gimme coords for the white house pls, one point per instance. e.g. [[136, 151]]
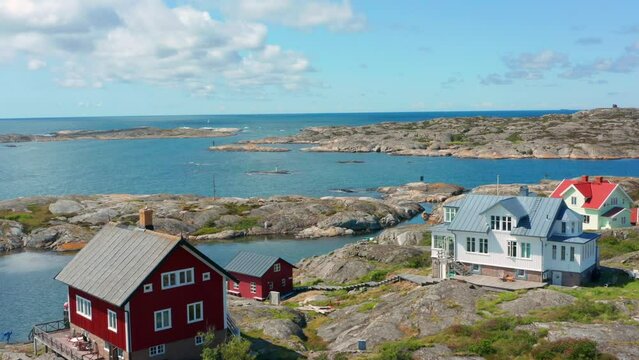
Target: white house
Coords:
[[523, 237]]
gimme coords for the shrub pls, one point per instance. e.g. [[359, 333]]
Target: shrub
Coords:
[[375, 275], [399, 350], [572, 349], [419, 261], [235, 349], [245, 223], [581, 311], [482, 348], [514, 138]]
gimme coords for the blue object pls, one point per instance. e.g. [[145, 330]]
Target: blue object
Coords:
[[7, 335]]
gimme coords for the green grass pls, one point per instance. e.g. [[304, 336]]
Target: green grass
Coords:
[[281, 314], [207, 230], [37, 216], [426, 239], [582, 311], [367, 306], [610, 246], [245, 223], [399, 350], [457, 139], [239, 209], [489, 303], [419, 261], [515, 138], [375, 275], [571, 349]]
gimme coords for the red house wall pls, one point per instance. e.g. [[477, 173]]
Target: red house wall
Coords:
[[98, 325], [263, 290], [143, 305]]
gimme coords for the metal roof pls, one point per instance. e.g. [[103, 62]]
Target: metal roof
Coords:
[[541, 214], [252, 264], [512, 205], [580, 239], [118, 260]]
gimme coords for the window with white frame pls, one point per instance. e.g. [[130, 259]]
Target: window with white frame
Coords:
[[162, 319], [525, 250], [83, 307], [449, 214], [572, 253], [199, 340], [277, 267], [177, 278], [253, 288], [112, 323], [521, 273], [573, 200], [206, 276], [512, 248], [506, 223], [157, 350], [120, 353], [586, 219], [107, 346], [476, 268], [148, 288], [470, 244], [572, 227], [194, 312], [623, 220], [495, 222], [483, 246], [283, 281], [554, 252], [236, 285], [563, 253], [439, 241]]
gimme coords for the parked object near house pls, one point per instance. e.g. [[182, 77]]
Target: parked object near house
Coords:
[[514, 238], [603, 204], [258, 275], [138, 294]]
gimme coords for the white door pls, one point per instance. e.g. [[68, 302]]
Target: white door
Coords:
[[556, 277]]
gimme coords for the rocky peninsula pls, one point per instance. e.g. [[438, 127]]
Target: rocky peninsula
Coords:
[[592, 134], [120, 134], [247, 148]]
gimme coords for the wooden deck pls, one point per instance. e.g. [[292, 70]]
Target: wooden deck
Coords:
[[497, 283], [58, 342], [419, 279]]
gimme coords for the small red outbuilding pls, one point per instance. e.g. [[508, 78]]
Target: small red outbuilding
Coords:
[[258, 275]]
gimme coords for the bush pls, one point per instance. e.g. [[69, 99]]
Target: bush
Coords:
[[482, 348], [235, 349], [419, 261], [375, 275], [572, 349], [584, 311], [399, 350]]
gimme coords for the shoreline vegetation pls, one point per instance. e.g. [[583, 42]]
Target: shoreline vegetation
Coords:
[[120, 134], [603, 134]]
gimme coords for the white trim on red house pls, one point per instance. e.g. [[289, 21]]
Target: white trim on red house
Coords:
[[127, 327]]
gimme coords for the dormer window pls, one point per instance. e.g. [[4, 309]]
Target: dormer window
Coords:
[[449, 214], [504, 223], [573, 200], [563, 227]]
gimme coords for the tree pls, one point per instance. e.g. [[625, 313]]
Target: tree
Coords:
[[235, 349]]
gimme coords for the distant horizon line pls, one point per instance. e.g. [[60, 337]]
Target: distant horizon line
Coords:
[[288, 113]]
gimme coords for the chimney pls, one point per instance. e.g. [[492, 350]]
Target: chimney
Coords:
[[598, 179], [584, 178], [523, 190], [146, 218]]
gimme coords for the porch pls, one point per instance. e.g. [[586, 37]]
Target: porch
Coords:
[[59, 338], [497, 283]]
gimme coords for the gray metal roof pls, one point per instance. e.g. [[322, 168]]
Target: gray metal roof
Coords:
[[541, 214], [252, 264], [581, 239], [512, 205], [440, 229], [455, 203]]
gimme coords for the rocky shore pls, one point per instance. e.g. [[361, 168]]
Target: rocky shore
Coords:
[[120, 134], [247, 148], [592, 134]]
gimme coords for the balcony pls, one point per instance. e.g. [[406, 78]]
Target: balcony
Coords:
[[57, 336]]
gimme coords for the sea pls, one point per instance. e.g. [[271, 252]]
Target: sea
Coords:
[[28, 293]]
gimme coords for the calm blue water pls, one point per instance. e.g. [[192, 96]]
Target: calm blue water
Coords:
[[185, 165]]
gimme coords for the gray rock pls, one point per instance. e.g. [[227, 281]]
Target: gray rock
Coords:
[[404, 235], [53, 237], [354, 220], [439, 351], [535, 300], [281, 328], [65, 207], [172, 226], [227, 220], [99, 217], [11, 233]]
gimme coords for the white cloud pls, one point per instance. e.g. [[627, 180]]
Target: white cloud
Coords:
[[36, 64], [336, 15], [104, 41]]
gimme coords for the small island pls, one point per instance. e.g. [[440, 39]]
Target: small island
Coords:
[[247, 148], [593, 134], [120, 134]]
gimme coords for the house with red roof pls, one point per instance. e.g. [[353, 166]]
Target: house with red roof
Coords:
[[603, 204]]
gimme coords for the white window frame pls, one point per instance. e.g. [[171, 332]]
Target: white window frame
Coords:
[[277, 267], [194, 305], [495, 222], [112, 320], [483, 246], [573, 200], [148, 288], [253, 287], [270, 285], [107, 346], [449, 214], [162, 314], [83, 307], [471, 244], [572, 254], [157, 350], [475, 268], [586, 219], [173, 279], [236, 285], [506, 223], [206, 276], [526, 250], [512, 248], [563, 253], [199, 340], [523, 274], [554, 252]]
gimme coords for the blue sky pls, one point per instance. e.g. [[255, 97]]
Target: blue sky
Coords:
[[117, 57]]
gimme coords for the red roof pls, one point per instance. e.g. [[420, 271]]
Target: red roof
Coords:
[[596, 192]]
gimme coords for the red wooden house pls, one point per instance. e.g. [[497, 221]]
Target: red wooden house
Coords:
[[139, 294], [258, 275]]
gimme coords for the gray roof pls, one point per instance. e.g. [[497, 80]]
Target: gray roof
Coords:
[[541, 213], [440, 228], [512, 205], [118, 260], [455, 203], [252, 264], [580, 239]]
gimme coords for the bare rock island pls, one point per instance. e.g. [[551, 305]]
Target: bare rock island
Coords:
[[592, 134], [120, 134], [247, 148]]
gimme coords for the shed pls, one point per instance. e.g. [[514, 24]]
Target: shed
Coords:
[[259, 274]]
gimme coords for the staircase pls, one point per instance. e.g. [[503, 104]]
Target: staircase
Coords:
[[231, 326], [459, 268]]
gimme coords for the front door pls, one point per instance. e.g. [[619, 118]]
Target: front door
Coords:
[[556, 277], [451, 247]]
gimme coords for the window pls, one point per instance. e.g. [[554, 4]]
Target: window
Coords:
[[439, 241], [572, 253], [483, 246], [194, 312], [572, 227], [83, 307], [236, 285], [148, 288], [162, 319], [112, 320], [177, 278], [586, 219], [495, 222], [512, 248], [470, 244], [270, 285], [199, 340], [449, 214], [283, 282], [554, 252], [157, 350], [476, 269], [506, 223], [563, 253], [107, 346], [623, 220], [253, 288], [573, 200], [521, 274], [614, 201], [206, 276], [563, 227], [277, 267], [525, 250]]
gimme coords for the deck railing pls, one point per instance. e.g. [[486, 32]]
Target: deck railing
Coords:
[[231, 326], [41, 332]]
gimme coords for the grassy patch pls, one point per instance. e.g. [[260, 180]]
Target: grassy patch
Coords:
[[207, 230], [426, 239], [366, 307], [239, 209], [375, 275], [583, 311], [611, 246], [514, 138], [489, 303], [568, 349], [37, 216], [457, 139], [313, 341], [281, 314], [419, 261], [399, 350], [246, 223]]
